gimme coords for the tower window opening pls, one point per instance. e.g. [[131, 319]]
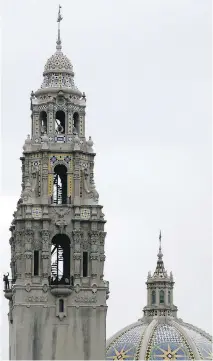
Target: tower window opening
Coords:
[[61, 305], [60, 260], [153, 297], [169, 297], [76, 123], [43, 122], [60, 185], [85, 264], [161, 296], [60, 122], [36, 263]]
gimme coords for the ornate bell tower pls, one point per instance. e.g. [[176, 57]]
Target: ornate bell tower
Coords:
[[57, 295]]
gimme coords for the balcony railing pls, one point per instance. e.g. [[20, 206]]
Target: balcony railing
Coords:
[[61, 281]]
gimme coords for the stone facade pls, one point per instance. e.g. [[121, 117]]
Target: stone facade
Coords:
[[57, 299]]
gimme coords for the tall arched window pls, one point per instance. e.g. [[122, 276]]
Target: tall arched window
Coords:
[[161, 296], [60, 122], [169, 297], [60, 184], [61, 305], [76, 123], [43, 122], [153, 297], [60, 260]]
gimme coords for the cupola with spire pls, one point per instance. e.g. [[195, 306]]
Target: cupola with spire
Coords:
[[160, 290]]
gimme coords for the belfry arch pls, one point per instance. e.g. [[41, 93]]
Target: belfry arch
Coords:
[[60, 122], [60, 184], [43, 122], [76, 123], [60, 259]]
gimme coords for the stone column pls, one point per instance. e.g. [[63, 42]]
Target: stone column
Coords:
[[36, 125], [28, 238], [69, 120], [18, 253], [50, 121], [77, 236], [45, 254], [94, 264], [44, 189], [76, 179]]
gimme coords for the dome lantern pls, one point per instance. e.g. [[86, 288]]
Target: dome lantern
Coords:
[[160, 291]]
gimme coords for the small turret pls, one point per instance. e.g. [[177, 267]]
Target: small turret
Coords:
[[160, 290]]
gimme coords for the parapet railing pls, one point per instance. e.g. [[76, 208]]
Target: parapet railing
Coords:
[[61, 281]]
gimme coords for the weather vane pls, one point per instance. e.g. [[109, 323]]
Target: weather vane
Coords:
[[160, 241], [59, 14], [58, 42]]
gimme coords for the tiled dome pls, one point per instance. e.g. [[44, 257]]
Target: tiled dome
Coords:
[[58, 62], [58, 73], [161, 339]]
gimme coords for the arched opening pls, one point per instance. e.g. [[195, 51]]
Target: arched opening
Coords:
[[76, 123], [61, 305], [60, 260], [161, 296], [60, 184], [169, 297], [153, 297], [43, 122], [85, 264], [60, 122]]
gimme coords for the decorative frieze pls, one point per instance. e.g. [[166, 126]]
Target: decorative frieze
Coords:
[[35, 299], [86, 299]]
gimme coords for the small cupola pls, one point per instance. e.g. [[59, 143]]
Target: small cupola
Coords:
[[160, 290]]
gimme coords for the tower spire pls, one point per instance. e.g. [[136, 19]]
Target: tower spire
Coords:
[[160, 254], [58, 42]]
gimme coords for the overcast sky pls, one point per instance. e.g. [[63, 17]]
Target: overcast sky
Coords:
[[145, 67]]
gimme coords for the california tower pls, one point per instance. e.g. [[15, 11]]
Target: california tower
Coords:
[[57, 294]]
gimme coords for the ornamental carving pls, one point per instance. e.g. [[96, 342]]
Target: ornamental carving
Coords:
[[77, 256], [45, 288], [36, 299], [61, 225], [28, 287], [94, 256], [45, 235], [86, 299], [28, 255], [45, 256], [77, 235], [102, 257], [85, 245], [37, 244]]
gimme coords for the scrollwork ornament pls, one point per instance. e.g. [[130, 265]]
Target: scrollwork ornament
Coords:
[[45, 288], [77, 235], [28, 287], [94, 256], [45, 256], [28, 255], [102, 257], [45, 234], [77, 256]]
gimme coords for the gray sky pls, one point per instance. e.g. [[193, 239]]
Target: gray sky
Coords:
[[145, 67]]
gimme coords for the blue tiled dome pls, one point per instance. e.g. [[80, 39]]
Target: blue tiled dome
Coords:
[[161, 339]]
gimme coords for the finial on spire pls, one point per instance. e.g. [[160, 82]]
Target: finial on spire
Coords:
[[160, 255], [160, 241], [58, 42]]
